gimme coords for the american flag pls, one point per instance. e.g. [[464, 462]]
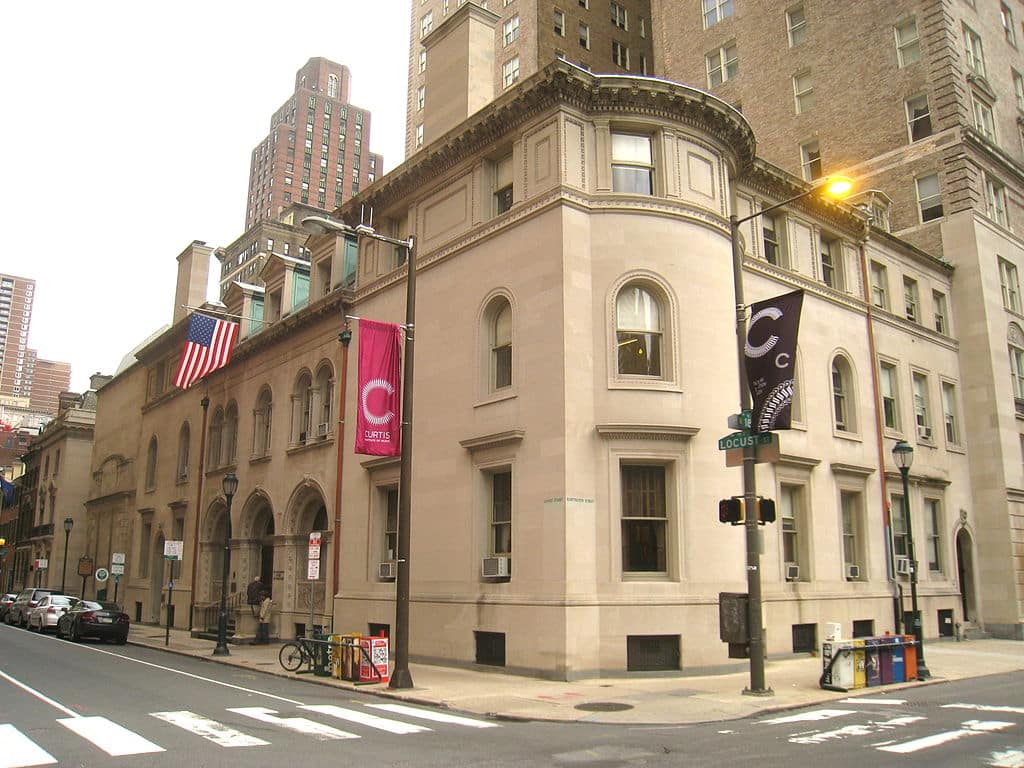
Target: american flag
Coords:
[[207, 348]]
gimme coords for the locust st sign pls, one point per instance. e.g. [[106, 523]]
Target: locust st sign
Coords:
[[744, 440]]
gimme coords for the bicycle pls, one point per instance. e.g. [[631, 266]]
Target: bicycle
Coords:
[[295, 653]]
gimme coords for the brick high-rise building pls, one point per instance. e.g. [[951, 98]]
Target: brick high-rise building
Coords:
[[317, 150], [49, 379], [601, 36]]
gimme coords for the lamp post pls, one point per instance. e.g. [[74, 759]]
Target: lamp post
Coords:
[[401, 677], [903, 456], [69, 523], [229, 485], [837, 187]]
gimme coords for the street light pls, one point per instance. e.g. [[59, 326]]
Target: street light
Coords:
[[69, 523], [229, 485], [837, 187], [401, 677], [903, 456]]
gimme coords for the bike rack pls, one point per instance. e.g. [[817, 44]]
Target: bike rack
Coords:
[[306, 642]]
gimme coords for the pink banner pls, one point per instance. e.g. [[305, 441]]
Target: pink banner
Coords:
[[378, 414]]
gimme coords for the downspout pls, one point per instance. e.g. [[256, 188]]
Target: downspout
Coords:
[[345, 337], [879, 427], [205, 402]]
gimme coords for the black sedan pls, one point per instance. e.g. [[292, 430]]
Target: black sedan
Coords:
[[88, 618]]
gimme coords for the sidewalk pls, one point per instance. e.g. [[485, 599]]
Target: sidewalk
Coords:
[[627, 700]]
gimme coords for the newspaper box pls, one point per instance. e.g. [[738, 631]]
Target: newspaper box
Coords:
[[860, 678], [898, 658], [376, 648], [910, 657], [837, 675], [872, 663]]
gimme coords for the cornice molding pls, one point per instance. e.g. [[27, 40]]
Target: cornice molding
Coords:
[[673, 432], [495, 440]]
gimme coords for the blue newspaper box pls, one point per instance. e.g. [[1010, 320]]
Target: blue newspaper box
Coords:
[[899, 667], [872, 664]]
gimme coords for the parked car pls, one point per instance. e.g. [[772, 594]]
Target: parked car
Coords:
[[44, 616], [91, 618], [5, 603], [26, 600]]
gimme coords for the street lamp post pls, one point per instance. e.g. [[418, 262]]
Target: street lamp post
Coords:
[[69, 523], [903, 456], [837, 187], [401, 677], [229, 485]]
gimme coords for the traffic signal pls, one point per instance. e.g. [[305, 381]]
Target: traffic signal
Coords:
[[731, 511], [2, 541], [765, 511]]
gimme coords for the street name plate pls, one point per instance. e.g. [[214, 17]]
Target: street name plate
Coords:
[[743, 440]]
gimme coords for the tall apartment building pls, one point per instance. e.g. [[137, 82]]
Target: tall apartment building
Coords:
[[317, 151], [600, 36], [49, 379], [16, 295], [922, 101]]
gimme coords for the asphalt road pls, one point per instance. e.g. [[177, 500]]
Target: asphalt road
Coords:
[[105, 705]]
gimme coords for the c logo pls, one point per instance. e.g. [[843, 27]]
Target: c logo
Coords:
[[760, 351], [364, 397]]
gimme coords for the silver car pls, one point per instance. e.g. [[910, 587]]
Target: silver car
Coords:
[[44, 616]]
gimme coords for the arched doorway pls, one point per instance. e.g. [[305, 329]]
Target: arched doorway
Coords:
[[307, 599], [263, 535], [965, 575]]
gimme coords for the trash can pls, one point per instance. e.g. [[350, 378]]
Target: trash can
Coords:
[[322, 656], [872, 671], [898, 658], [859, 677], [910, 657]]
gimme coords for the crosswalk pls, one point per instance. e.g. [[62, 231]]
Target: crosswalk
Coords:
[[876, 724], [21, 751]]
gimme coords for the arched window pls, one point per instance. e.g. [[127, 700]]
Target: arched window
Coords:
[[332, 86], [499, 333], [229, 441], [184, 437], [213, 458], [324, 396], [151, 464], [262, 418], [639, 331], [302, 408], [844, 410]]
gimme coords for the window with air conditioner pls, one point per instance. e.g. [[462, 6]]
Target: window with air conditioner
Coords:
[[851, 504], [922, 407], [498, 561]]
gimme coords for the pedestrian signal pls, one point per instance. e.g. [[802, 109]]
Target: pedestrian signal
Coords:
[[730, 511], [765, 511]]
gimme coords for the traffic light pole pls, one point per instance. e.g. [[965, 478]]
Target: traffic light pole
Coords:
[[754, 619]]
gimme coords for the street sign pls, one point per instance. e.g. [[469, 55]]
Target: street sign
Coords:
[[313, 570], [743, 440], [314, 552], [85, 566], [102, 574], [42, 564], [117, 568], [173, 550], [117, 559], [763, 454], [741, 420], [314, 538]]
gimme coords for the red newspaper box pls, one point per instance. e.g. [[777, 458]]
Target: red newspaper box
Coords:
[[376, 648]]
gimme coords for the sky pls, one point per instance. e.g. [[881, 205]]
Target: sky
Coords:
[[126, 135]]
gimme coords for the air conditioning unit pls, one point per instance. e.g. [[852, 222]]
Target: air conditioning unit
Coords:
[[925, 433], [903, 565], [321, 430], [388, 570], [852, 572], [496, 567], [792, 571]]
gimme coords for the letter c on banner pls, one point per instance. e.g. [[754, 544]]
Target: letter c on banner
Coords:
[[371, 386], [760, 351], [782, 360]]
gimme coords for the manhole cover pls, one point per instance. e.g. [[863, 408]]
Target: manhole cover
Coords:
[[603, 706]]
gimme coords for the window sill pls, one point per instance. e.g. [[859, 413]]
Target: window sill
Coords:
[[259, 459], [638, 383], [496, 397], [631, 576], [845, 435], [310, 444], [231, 467]]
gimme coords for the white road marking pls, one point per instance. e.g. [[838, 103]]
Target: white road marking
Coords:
[[300, 724], [971, 728], [1011, 758], [869, 700], [817, 714], [438, 717], [210, 730], [986, 708], [112, 738], [38, 695], [19, 751], [855, 730], [363, 718]]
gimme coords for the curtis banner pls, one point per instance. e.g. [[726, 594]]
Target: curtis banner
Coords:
[[378, 416], [770, 356]]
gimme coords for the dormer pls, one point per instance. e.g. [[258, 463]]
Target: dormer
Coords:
[[287, 286], [246, 301]]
